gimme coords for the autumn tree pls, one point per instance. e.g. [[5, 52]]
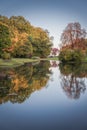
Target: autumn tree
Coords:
[[54, 51], [34, 40], [20, 23], [73, 34], [41, 42], [4, 19], [73, 44], [26, 40]]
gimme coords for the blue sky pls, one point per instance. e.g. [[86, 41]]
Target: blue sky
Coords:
[[53, 15]]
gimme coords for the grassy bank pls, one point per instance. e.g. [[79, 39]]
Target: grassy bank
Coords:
[[15, 62], [53, 58], [20, 61]]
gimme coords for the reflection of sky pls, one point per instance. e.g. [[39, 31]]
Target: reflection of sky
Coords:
[[46, 109], [53, 15]]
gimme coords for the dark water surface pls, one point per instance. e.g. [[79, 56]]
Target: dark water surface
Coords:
[[43, 96]]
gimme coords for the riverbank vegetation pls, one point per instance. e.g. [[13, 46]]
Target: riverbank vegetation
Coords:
[[21, 42], [16, 62], [20, 39], [73, 44]]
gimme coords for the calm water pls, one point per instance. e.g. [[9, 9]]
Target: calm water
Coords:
[[43, 96]]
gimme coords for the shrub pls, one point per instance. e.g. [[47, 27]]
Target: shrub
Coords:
[[71, 56], [6, 56]]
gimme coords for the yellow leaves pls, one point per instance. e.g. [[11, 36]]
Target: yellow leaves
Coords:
[[22, 83], [3, 24], [20, 30], [38, 33], [18, 39], [38, 84], [17, 36], [19, 82]]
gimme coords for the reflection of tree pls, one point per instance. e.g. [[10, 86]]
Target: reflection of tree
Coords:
[[17, 84], [54, 64], [73, 79]]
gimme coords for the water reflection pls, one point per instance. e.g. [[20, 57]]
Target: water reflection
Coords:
[[17, 84], [54, 64], [73, 79]]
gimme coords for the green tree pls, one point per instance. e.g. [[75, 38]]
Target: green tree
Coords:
[[70, 56], [24, 50], [5, 41], [41, 42]]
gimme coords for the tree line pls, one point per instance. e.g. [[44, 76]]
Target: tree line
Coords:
[[18, 38]]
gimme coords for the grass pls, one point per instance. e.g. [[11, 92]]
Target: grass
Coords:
[[53, 58], [15, 62], [20, 61]]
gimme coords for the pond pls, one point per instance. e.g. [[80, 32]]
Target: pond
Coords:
[[43, 96]]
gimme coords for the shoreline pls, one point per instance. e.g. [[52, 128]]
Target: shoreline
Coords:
[[14, 62]]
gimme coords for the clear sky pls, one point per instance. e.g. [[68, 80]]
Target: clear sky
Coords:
[[53, 15]]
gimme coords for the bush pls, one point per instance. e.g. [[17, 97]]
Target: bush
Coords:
[[71, 56], [6, 56]]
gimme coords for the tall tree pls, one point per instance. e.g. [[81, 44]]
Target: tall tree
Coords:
[[41, 42], [5, 41], [73, 34]]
